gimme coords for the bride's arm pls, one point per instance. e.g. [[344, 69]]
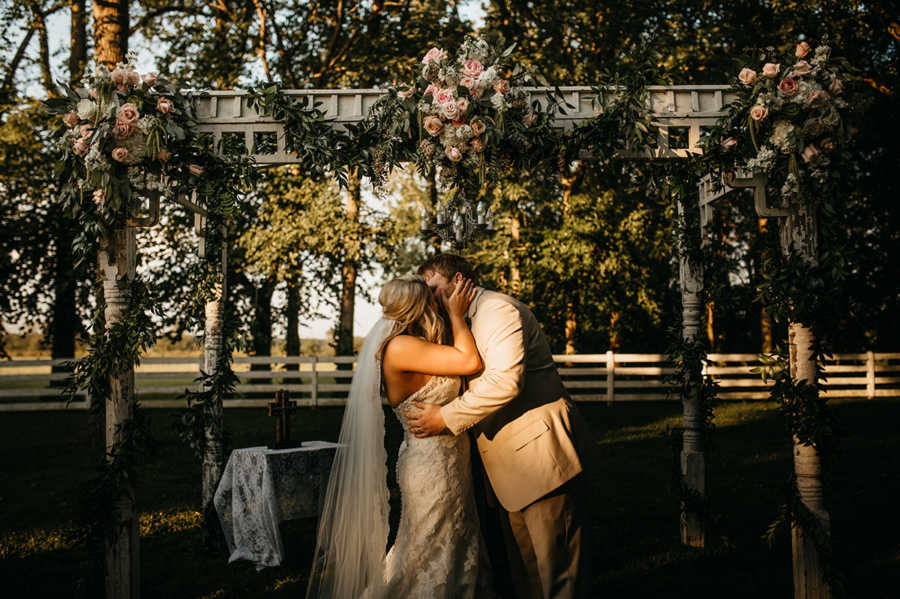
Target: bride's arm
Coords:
[[411, 354]]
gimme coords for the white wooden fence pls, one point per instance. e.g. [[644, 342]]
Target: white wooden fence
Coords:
[[30, 385]]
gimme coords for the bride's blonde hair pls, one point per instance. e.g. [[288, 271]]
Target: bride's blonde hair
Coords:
[[408, 302]]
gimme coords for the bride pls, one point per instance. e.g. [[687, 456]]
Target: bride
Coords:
[[438, 550]]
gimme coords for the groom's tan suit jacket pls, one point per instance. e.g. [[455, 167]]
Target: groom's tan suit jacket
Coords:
[[530, 436]]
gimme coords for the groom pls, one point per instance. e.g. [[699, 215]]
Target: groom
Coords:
[[532, 440]]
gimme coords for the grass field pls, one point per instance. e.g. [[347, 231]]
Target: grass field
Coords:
[[45, 459]]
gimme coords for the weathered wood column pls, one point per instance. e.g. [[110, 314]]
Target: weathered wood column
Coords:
[[116, 261], [213, 417], [799, 233], [693, 460]]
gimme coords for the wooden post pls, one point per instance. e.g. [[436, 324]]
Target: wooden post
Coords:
[[870, 374], [610, 377], [315, 382], [799, 234], [214, 426], [693, 460], [116, 262]]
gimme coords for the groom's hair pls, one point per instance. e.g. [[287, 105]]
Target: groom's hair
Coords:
[[448, 265]]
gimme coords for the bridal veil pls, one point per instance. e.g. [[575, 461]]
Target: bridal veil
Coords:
[[353, 528]]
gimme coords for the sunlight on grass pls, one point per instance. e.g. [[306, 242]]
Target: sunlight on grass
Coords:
[[287, 582], [22, 544]]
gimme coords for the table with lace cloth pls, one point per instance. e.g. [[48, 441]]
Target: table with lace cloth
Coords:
[[260, 487]]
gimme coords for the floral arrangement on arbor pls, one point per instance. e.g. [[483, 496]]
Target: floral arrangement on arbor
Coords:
[[126, 134], [466, 118], [792, 121]]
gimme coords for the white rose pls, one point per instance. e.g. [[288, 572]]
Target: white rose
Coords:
[[86, 109]]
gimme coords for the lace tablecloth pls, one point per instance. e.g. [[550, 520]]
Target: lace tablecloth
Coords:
[[261, 487]]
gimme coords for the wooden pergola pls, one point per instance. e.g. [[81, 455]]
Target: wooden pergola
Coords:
[[680, 113]]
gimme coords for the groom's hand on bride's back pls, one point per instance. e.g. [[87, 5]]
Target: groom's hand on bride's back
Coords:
[[426, 420]]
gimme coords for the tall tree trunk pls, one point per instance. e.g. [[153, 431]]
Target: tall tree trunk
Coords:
[[261, 329], [110, 31], [292, 337], [515, 276], [614, 339], [116, 260], [78, 39], [767, 343], [571, 325], [343, 343], [65, 314]]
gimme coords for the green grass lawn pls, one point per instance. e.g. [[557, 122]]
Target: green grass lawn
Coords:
[[46, 458]]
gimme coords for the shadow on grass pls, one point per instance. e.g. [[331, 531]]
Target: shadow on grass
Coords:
[[636, 532]]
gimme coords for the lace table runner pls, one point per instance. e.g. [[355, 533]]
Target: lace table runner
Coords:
[[261, 487]]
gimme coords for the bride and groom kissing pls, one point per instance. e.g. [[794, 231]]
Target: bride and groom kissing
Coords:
[[482, 371]]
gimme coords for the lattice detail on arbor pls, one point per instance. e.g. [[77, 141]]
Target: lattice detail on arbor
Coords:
[[680, 112]]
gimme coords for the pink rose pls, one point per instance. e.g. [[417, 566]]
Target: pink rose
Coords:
[[770, 70], [453, 154], [476, 144], [450, 111], [164, 155], [128, 113], [530, 119], [801, 68], [802, 49], [406, 93], [827, 144], [120, 154], [92, 93], [433, 124], [747, 76], [85, 131], [195, 169], [476, 91], [729, 143], [758, 112], [80, 147], [501, 86], [473, 68], [133, 77], [810, 153], [150, 79], [119, 77], [462, 104], [123, 130], [434, 55], [818, 98], [443, 96], [98, 196], [70, 119], [469, 83], [164, 106], [477, 126], [432, 89], [836, 86], [788, 87]]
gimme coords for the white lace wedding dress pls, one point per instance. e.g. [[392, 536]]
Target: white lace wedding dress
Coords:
[[438, 551]]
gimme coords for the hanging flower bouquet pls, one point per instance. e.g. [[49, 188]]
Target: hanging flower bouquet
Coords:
[[466, 116], [791, 122], [122, 133]]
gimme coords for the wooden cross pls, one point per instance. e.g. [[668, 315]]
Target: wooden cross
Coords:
[[281, 409]]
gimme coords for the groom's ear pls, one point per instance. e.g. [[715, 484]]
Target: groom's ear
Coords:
[[458, 277]]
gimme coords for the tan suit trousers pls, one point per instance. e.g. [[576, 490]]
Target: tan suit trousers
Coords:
[[547, 544]]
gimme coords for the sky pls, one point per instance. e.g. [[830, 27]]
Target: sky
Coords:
[[366, 312]]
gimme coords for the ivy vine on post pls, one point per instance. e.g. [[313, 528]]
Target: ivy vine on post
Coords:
[[793, 123], [126, 145]]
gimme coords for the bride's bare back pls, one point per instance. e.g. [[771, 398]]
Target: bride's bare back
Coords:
[[409, 362]]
